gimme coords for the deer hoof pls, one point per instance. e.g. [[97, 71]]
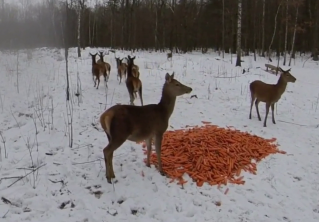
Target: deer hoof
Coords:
[[162, 173], [109, 180]]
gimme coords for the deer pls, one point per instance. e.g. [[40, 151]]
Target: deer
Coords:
[[97, 70], [272, 68], [135, 70], [138, 123], [121, 69], [133, 84], [269, 93], [169, 55], [107, 65]]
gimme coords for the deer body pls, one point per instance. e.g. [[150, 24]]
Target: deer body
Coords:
[[138, 123], [121, 69], [97, 71], [133, 84], [135, 71], [269, 93], [107, 66]]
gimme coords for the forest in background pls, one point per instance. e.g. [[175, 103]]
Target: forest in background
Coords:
[[248, 26]]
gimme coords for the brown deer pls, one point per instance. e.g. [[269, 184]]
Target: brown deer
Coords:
[[133, 84], [97, 70], [269, 93], [107, 65], [138, 123], [135, 70], [121, 69], [170, 56]]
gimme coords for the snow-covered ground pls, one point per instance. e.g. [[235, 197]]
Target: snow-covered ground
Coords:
[[285, 188]]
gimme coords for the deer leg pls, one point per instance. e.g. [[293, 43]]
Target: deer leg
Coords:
[[94, 80], [131, 99], [111, 165], [140, 95], [108, 156], [256, 104], [98, 82], [149, 150], [158, 146], [273, 113], [251, 104], [267, 111]]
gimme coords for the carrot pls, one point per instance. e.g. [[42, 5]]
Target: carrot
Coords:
[[211, 154]]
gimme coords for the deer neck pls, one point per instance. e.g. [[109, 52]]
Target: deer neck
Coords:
[[281, 85], [167, 103]]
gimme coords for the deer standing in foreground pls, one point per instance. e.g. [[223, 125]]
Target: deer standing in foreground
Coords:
[[138, 123], [269, 93], [133, 84], [121, 69], [107, 65], [97, 70]]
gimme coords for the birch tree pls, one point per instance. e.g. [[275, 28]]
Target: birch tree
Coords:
[[238, 61], [294, 35], [286, 32], [80, 7], [263, 30]]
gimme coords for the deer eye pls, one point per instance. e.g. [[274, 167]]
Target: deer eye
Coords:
[[176, 84]]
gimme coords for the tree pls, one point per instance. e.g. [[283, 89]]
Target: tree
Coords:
[[238, 61]]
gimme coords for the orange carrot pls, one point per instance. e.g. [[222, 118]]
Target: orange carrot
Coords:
[[211, 154]]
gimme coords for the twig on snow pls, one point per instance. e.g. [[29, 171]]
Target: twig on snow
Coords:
[[26, 175]]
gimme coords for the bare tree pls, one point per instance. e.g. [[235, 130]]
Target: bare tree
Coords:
[[294, 35], [274, 33], [286, 32], [263, 30], [238, 61], [315, 33]]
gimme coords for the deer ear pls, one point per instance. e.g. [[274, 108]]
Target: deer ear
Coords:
[[172, 76], [288, 70], [90, 54], [281, 70], [168, 78], [133, 57]]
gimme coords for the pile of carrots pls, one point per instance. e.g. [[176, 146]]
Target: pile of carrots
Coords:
[[212, 154]]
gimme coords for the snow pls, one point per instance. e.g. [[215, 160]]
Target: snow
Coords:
[[284, 189]]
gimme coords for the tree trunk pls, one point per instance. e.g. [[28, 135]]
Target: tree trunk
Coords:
[[79, 31], [255, 30], [294, 36], [315, 33], [238, 61], [223, 30], [274, 33], [286, 34], [263, 30]]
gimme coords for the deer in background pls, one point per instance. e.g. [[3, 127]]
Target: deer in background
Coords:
[[269, 93], [170, 56], [138, 123], [107, 65], [121, 69], [97, 70], [133, 84]]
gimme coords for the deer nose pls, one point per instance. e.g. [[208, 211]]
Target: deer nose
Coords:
[[189, 90]]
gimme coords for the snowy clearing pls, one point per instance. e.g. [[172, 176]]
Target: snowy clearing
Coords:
[[34, 132]]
